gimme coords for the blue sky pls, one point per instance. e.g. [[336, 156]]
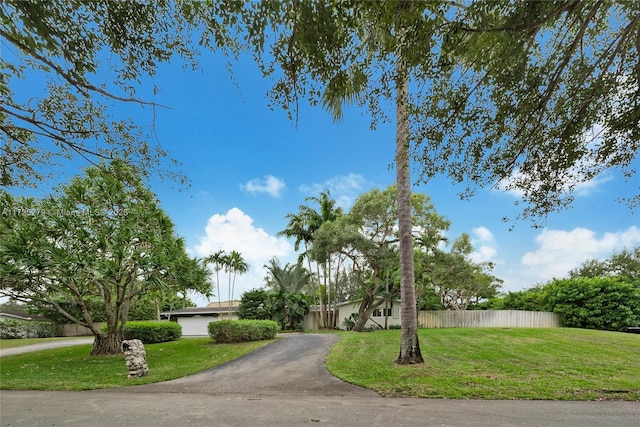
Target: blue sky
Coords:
[[250, 166]]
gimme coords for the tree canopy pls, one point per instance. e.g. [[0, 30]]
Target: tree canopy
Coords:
[[102, 239], [92, 57], [534, 97]]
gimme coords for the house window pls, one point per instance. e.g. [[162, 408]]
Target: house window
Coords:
[[376, 313]]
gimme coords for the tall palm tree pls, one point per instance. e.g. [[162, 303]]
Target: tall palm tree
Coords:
[[333, 98], [218, 259], [235, 265], [409, 344], [303, 225]]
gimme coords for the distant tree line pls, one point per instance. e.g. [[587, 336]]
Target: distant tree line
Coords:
[[600, 294]]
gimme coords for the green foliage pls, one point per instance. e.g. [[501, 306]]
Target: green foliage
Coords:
[[71, 113], [151, 332], [288, 309], [292, 278], [235, 331], [350, 322], [254, 305], [93, 304], [533, 299], [14, 329], [623, 264], [457, 281], [605, 303], [100, 240], [501, 91]]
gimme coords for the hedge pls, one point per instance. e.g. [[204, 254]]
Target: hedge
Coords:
[[232, 331], [151, 332], [16, 329]]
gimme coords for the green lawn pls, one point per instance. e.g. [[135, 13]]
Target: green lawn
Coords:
[[558, 364], [71, 368]]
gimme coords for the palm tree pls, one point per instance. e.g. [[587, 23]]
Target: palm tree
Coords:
[[333, 98], [292, 278], [409, 344], [218, 259], [303, 225], [235, 264]]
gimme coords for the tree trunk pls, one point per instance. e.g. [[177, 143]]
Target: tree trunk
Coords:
[[409, 345], [109, 345]]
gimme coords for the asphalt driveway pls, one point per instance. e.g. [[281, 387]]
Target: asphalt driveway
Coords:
[[286, 384], [291, 366]]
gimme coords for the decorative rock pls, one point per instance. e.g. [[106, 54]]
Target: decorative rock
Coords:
[[136, 358]]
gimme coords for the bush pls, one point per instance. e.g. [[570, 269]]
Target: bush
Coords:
[[232, 331], [16, 329], [254, 305], [151, 332], [605, 303]]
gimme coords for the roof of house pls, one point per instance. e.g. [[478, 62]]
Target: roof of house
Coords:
[[212, 308], [20, 316], [234, 304]]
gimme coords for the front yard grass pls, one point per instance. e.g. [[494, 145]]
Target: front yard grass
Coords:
[[71, 368], [555, 364]]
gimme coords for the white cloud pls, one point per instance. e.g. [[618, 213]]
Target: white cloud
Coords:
[[268, 184], [343, 188], [485, 245], [560, 251], [235, 231]]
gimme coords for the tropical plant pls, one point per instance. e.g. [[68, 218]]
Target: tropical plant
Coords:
[[219, 260], [288, 309], [303, 227], [254, 305], [293, 278], [101, 238], [234, 265]]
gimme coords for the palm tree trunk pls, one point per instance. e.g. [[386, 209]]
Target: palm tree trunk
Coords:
[[218, 286], [409, 345], [313, 286]]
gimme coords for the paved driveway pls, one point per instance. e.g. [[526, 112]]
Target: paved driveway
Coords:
[[292, 366], [286, 384]]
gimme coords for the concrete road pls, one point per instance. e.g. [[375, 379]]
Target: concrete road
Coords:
[[286, 384]]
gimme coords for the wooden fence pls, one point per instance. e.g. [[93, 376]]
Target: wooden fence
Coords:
[[486, 319], [75, 330]]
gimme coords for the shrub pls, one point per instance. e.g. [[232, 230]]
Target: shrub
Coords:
[[254, 305], [349, 322], [15, 329], [605, 303], [151, 332], [232, 331]]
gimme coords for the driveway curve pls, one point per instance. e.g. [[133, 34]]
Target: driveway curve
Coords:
[[293, 365]]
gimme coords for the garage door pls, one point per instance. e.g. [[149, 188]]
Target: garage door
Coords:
[[195, 326]]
